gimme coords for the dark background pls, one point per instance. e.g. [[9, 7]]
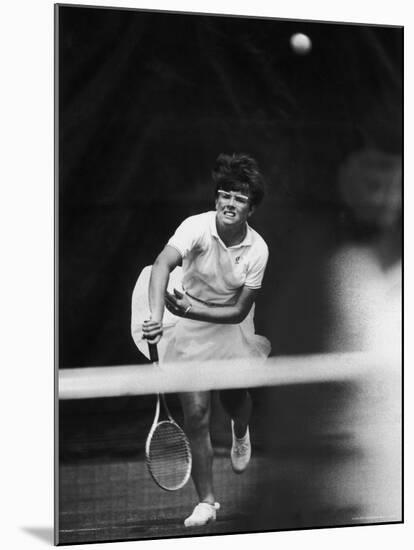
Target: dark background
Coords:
[[146, 102]]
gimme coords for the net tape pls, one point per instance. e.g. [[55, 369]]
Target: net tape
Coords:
[[123, 380]]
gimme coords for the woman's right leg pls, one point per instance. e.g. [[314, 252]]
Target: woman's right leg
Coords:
[[197, 408]]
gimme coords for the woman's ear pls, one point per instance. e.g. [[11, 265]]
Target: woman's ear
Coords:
[[251, 210]]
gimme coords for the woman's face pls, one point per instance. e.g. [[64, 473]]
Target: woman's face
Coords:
[[233, 208]]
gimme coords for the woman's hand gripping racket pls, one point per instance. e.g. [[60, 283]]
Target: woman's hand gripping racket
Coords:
[[167, 449]]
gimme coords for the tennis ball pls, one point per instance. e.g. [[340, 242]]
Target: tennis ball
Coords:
[[300, 43]]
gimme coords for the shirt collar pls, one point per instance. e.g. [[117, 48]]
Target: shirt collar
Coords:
[[247, 241]]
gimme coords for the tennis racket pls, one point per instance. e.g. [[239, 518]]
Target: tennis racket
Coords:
[[167, 449]]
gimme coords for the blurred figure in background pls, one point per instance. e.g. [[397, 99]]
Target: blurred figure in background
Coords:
[[364, 276], [336, 446]]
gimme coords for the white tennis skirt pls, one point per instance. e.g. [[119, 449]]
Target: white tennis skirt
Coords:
[[200, 341]]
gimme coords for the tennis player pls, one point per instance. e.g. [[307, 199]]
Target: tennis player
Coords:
[[223, 261]]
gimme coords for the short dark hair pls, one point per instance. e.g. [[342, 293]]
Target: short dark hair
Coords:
[[239, 172]]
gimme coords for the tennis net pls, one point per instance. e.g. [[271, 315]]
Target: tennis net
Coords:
[[326, 446], [112, 381]]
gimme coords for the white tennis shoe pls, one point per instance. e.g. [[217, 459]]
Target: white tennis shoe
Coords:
[[202, 514], [241, 451]]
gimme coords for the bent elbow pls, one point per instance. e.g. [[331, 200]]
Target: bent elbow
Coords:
[[239, 317], [242, 312]]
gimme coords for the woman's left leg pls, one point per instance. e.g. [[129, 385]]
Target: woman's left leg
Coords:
[[238, 405]]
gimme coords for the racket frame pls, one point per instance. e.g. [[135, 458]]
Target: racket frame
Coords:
[[162, 401]]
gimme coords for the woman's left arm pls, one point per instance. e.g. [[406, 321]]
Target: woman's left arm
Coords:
[[181, 305]]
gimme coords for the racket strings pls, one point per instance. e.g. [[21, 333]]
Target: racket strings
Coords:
[[169, 456]]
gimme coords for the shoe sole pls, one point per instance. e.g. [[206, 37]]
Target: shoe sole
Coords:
[[201, 524], [236, 471]]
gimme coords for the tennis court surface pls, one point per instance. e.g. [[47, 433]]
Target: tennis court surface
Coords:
[[326, 437]]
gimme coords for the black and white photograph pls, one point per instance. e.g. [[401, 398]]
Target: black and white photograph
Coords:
[[205, 274], [329, 423], [228, 260]]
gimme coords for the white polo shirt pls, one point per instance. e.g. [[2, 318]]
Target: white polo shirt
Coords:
[[213, 272]]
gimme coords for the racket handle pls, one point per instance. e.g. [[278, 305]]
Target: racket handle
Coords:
[[153, 351]]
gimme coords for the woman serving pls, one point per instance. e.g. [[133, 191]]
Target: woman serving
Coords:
[[223, 262]]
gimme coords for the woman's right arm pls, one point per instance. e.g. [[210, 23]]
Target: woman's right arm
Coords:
[[166, 262]]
